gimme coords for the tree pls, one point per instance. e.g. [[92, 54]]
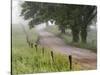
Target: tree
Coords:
[[88, 13], [76, 17], [31, 10]]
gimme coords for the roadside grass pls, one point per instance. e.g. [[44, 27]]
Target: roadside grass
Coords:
[[91, 38], [26, 60]]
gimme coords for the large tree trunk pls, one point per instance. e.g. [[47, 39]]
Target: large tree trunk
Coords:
[[75, 31], [84, 29], [84, 35], [75, 34]]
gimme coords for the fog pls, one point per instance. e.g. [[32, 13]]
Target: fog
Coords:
[[17, 19], [16, 10]]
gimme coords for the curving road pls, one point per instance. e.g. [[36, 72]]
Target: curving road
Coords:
[[85, 57]]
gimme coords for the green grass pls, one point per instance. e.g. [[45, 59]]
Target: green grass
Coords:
[[91, 38], [26, 60]]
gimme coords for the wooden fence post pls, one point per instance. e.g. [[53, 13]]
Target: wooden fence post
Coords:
[[31, 45], [36, 47], [52, 55], [43, 50], [70, 62]]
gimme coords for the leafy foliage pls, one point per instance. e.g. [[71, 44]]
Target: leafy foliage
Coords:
[[75, 17]]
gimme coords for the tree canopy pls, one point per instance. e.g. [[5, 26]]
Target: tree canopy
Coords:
[[75, 17]]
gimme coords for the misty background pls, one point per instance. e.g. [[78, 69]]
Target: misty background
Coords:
[[16, 10], [17, 19]]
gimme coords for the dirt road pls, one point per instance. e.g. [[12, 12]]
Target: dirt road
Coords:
[[85, 57]]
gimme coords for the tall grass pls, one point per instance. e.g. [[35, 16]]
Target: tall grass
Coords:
[[28, 60]]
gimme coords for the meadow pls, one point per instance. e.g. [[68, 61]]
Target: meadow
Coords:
[[26, 60]]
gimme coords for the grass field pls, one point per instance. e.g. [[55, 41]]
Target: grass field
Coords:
[[28, 60], [91, 38]]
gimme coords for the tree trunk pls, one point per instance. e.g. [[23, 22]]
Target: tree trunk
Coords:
[[84, 35], [62, 29], [84, 30], [75, 34], [75, 31]]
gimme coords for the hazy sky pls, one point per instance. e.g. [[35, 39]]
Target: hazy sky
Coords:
[[16, 10]]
